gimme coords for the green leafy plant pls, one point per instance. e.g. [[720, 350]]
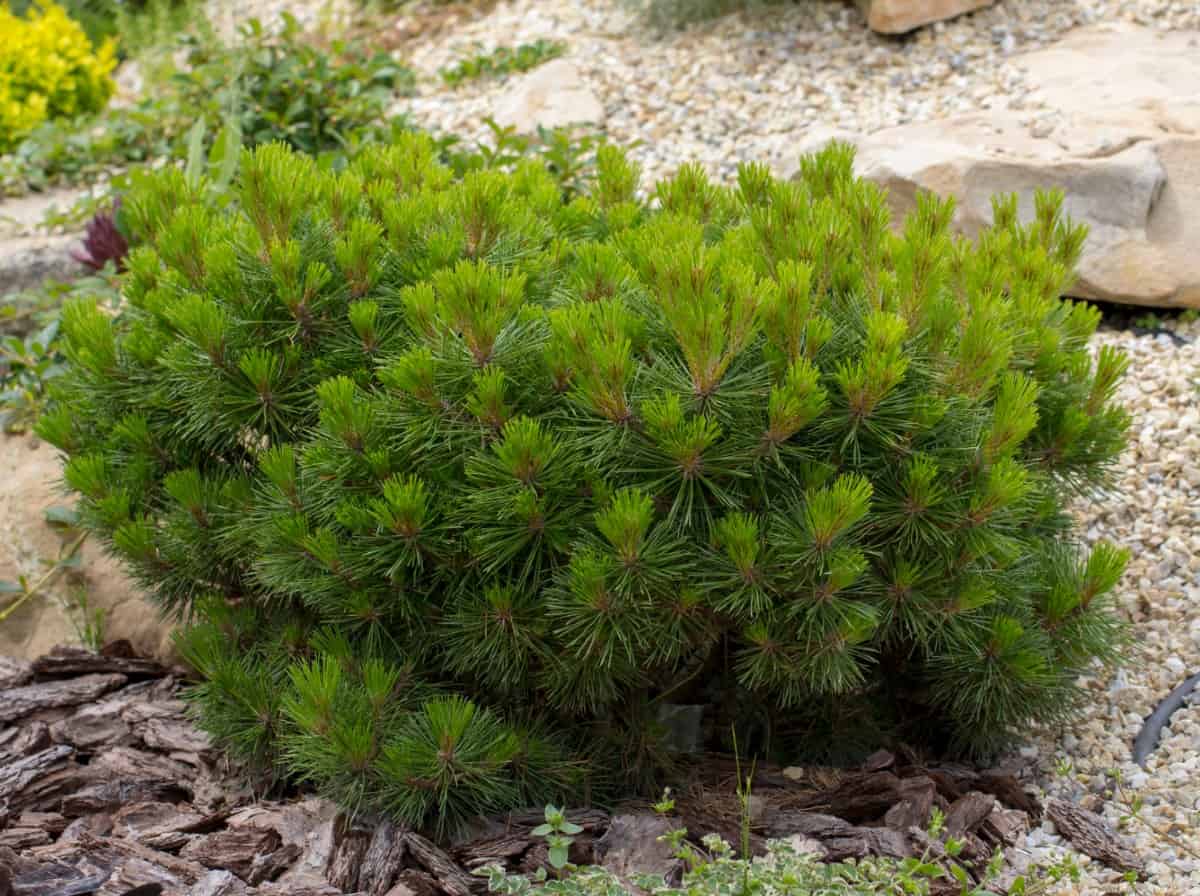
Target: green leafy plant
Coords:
[[266, 86], [27, 365], [282, 87], [30, 356], [568, 153], [460, 479], [559, 834], [715, 871], [135, 25], [88, 621], [503, 61]]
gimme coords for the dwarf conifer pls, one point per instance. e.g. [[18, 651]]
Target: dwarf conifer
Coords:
[[459, 483]]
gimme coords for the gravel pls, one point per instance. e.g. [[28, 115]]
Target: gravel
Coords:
[[751, 86], [1155, 512]]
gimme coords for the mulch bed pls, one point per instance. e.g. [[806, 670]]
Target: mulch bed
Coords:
[[107, 788]]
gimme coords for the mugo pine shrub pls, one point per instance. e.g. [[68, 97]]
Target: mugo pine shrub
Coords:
[[460, 483]]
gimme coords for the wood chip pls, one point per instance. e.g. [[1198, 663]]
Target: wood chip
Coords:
[[450, 878], [346, 865], [1093, 836], [414, 883], [129, 764], [916, 807], [859, 797], [110, 796], [1008, 790], [174, 736], [160, 825], [234, 849], [19, 741], [1005, 826], [968, 812], [140, 876], [118, 849], [879, 760], [18, 702], [19, 775], [97, 725], [57, 877], [19, 837], [53, 822], [70, 662], [267, 867], [840, 839], [14, 672], [384, 859], [478, 853], [218, 882]]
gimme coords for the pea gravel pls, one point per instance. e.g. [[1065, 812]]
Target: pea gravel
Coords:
[[750, 86]]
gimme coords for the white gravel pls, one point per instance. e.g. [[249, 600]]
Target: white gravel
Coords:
[[750, 86], [1156, 513]]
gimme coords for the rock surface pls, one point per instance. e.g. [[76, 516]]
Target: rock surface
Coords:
[[28, 261], [553, 95], [28, 256], [29, 485], [1120, 135], [899, 16]]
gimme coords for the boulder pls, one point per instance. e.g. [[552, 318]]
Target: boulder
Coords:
[[553, 95], [29, 485], [1118, 131], [899, 16]]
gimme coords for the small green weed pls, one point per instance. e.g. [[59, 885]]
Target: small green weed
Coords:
[[675, 14], [89, 622], [23, 590], [502, 61], [559, 834]]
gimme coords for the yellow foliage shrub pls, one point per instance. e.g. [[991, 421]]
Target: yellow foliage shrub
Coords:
[[48, 69]]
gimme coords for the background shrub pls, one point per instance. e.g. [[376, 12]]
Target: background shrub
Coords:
[[264, 87], [48, 69], [464, 484]]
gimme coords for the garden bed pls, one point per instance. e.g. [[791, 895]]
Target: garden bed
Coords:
[[720, 93]]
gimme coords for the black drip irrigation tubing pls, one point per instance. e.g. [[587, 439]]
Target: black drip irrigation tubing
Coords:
[[1147, 739]]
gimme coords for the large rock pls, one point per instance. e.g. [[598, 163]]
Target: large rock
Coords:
[[898, 16], [1120, 135], [29, 485], [553, 95]]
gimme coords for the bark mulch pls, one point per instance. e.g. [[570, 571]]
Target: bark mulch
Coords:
[[107, 788]]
